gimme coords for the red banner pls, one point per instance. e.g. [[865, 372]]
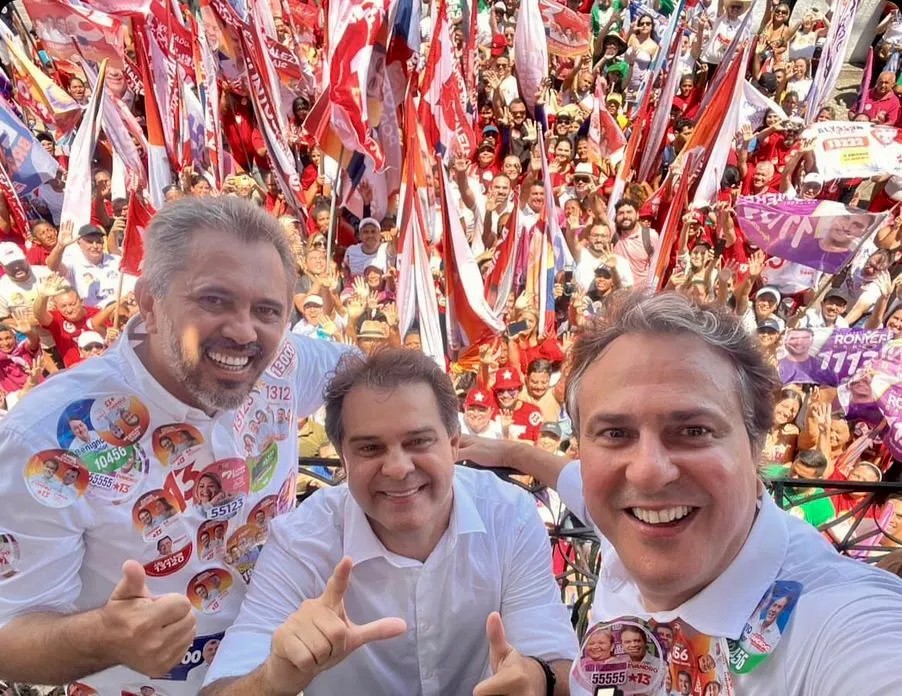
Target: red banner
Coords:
[[568, 31]]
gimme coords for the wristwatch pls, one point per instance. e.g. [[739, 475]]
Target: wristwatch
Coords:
[[550, 678]]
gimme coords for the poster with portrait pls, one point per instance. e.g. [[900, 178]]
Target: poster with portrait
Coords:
[[828, 356], [818, 234], [855, 149]]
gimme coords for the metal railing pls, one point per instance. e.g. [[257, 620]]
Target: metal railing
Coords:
[[857, 532]]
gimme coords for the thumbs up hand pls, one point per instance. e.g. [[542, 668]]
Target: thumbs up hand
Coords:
[[320, 635], [147, 633], [512, 673]]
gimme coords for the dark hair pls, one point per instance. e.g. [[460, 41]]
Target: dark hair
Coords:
[[539, 365], [385, 370], [682, 123], [45, 137], [170, 187], [627, 201], [812, 458], [731, 177], [674, 314]]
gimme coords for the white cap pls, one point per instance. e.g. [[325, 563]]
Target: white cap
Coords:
[[769, 290], [10, 253], [584, 168], [87, 338], [813, 178], [369, 221], [313, 299]]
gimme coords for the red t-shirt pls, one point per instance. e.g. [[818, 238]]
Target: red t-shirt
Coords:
[[527, 420], [37, 255], [65, 334], [549, 349]]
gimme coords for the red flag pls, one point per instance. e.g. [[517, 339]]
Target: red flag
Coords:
[[625, 173], [159, 175], [669, 233], [17, 217], [499, 281], [138, 219]]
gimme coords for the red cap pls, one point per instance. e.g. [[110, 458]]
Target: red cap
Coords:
[[499, 45], [508, 378], [478, 396]]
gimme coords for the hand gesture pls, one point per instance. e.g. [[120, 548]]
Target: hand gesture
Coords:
[[111, 335], [118, 225], [66, 235], [557, 291], [52, 285], [747, 134], [319, 635], [884, 282], [23, 319], [360, 288], [460, 166], [507, 419], [329, 281], [391, 313], [146, 633], [756, 264], [512, 673], [34, 374], [532, 132], [729, 270], [366, 192], [354, 306]]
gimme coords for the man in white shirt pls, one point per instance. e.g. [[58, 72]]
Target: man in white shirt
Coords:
[[208, 351], [451, 588], [90, 270], [371, 251], [597, 251], [19, 284], [672, 403]]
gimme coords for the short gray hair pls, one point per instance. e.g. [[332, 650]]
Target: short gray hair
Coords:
[[386, 369], [175, 226], [671, 313]]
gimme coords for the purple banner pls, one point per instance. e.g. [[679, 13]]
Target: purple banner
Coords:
[[817, 234], [886, 385], [822, 356]]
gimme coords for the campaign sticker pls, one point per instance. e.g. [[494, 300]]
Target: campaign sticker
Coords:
[[142, 690], [79, 689], [177, 445], [171, 556], [208, 589], [75, 430], [9, 556], [200, 652], [120, 419], [220, 490], [285, 361], [155, 515], [698, 662], [243, 549], [211, 536], [764, 629], [263, 512], [287, 494], [623, 655], [56, 478], [116, 473], [263, 467]]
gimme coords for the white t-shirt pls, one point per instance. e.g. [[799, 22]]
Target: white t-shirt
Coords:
[[96, 283], [828, 647], [584, 275], [494, 556], [722, 35], [134, 497], [356, 259], [13, 294]]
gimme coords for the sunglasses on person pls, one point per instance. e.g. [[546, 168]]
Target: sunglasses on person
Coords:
[[781, 12], [582, 179], [91, 347], [644, 24], [508, 391]]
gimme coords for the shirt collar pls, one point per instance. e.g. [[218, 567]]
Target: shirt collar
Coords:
[[361, 543], [136, 374], [722, 608]]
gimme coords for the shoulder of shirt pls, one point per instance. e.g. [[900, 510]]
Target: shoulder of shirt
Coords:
[[310, 348], [40, 409], [324, 509], [493, 496]]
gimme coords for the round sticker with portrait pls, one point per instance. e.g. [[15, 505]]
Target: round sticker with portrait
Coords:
[[169, 555], [211, 540], [624, 655], [56, 478], [263, 512], [221, 489], [243, 549], [208, 589], [79, 689], [177, 445], [287, 494], [120, 419], [156, 514], [116, 473], [75, 430], [142, 689], [9, 555]]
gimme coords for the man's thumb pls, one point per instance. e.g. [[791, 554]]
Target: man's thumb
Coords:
[[132, 585], [499, 648]]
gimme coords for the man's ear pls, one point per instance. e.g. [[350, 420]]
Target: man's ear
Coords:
[[146, 305], [455, 446]]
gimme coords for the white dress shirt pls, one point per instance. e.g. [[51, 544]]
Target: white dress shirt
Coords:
[[495, 556], [842, 638], [73, 539]]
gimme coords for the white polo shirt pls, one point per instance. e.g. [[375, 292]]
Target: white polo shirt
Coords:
[[495, 556], [100, 464], [842, 638]]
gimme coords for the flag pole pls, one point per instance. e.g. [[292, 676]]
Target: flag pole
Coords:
[[121, 272], [332, 221]]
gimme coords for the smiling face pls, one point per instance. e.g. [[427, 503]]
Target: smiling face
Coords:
[[786, 410], [478, 418], [798, 343], [634, 643], [600, 646], [662, 438], [843, 232], [537, 384], [91, 246], [399, 460], [207, 488], [221, 322]]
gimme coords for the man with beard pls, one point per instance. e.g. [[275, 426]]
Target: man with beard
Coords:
[[635, 242], [830, 313], [596, 252], [208, 350]]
